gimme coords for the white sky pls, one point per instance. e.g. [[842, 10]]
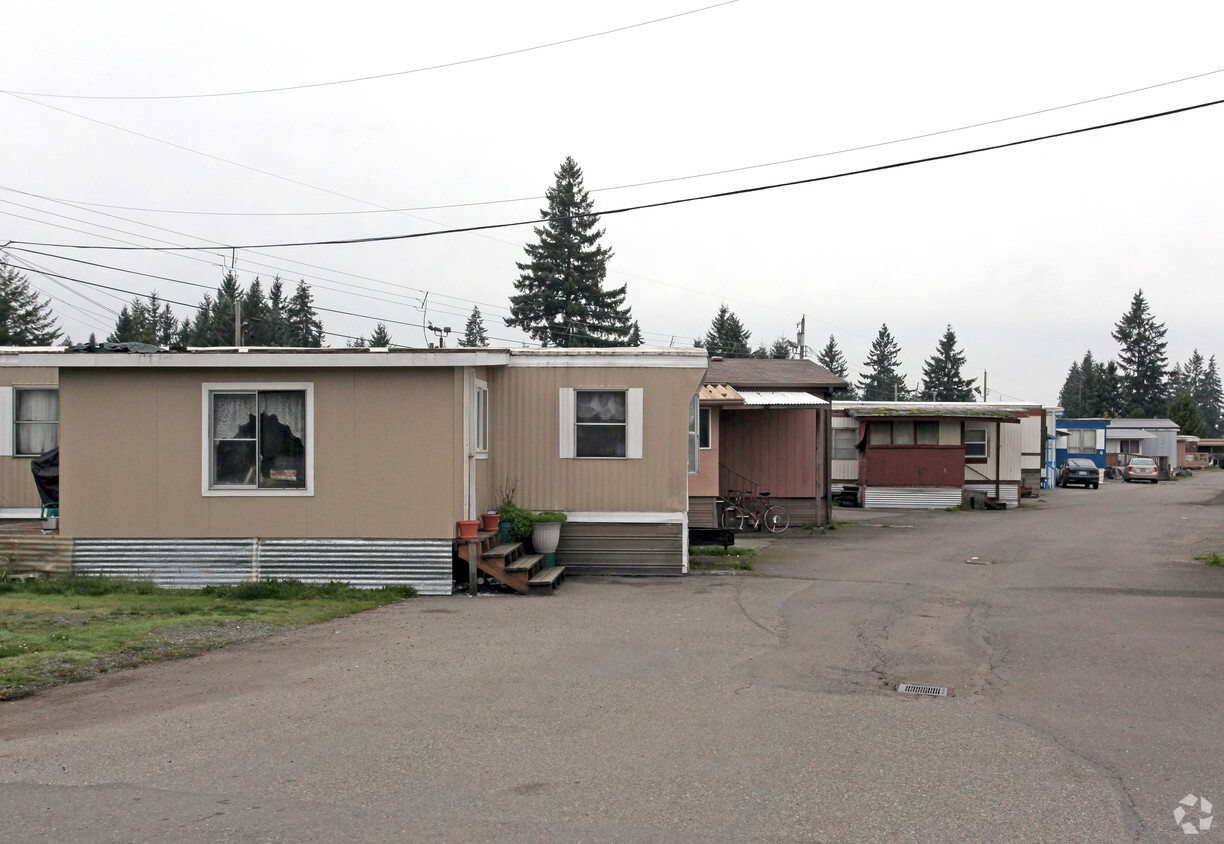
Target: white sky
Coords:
[[1030, 253]]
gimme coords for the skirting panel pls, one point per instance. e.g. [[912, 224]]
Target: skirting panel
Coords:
[[424, 564], [911, 498], [1009, 492], [622, 548]]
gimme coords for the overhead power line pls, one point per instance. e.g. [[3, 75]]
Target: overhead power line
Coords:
[[17, 244], [648, 183], [373, 77]]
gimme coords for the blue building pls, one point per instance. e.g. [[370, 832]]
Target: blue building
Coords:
[[1080, 438]]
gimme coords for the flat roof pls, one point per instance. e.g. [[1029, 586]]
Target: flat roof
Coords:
[[772, 374]]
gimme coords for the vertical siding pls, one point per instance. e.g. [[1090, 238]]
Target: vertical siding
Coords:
[[1011, 439], [771, 451], [525, 440]]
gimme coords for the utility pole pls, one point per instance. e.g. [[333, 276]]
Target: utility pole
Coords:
[[985, 392], [237, 322], [802, 338]]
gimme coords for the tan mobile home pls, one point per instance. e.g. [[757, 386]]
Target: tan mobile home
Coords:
[[352, 464]]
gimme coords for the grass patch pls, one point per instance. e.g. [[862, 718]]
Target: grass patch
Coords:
[[959, 508], [74, 628], [711, 557], [1211, 558]]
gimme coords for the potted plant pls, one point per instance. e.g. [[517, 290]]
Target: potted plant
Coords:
[[515, 522], [489, 520], [546, 534]]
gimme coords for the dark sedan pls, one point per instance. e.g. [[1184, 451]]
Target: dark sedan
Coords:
[[1078, 470]]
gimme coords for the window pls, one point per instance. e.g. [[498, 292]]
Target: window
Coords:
[[601, 423], [258, 439], [926, 433], [704, 435], [694, 435], [879, 433], [845, 446], [482, 419], [976, 444], [1081, 441], [35, 420], [903, 433]]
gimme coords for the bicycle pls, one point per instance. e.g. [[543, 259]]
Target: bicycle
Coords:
[[743, 508]]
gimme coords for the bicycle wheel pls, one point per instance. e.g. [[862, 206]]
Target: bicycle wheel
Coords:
[[733, 518], [776, 518]]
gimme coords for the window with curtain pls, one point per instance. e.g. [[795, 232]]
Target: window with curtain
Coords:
[[845, 444], [1081, 441], [975, 443], [600, 418], [259, 439], [35, 420]]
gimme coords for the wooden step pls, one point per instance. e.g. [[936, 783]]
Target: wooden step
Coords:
[[529, 564], [547, 580], [508, 550]]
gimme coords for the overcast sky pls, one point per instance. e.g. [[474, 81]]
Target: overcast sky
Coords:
[[1030, 253]]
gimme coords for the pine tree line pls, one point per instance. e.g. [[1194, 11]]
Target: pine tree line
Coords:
[[1141, 383]]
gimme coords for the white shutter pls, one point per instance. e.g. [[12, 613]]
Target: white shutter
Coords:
[[6, 421], [633, 420], [567, 421]]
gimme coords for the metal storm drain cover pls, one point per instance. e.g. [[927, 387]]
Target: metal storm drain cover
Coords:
[[933, 691]]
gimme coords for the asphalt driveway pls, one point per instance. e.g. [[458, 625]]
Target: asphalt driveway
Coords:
[[1082, 646]]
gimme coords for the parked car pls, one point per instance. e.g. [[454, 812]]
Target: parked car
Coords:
[[1078, 470], [1140, 469]]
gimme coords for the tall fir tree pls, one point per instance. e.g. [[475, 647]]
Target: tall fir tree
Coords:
[[941, 373], [880, 380], [832, 359], [304, 328], [1142, 359], [561, 299], [727, 336], [474, 335], [781, 349], [256, 327], [1210, 399], [277, 314], [24, 320]]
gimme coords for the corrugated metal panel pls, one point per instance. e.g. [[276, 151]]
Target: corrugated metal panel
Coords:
[[913, 498], [1008, 493], [621, 548], [36, 554], [192, 563], [754, 398]]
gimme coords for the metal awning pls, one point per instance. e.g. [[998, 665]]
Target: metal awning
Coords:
[[1129, 434], [780, 399]]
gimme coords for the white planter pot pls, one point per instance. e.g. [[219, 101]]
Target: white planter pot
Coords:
[[545, 536]]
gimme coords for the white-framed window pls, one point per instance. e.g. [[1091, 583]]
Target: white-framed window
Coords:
[[694, 435], [482, 419], [258, 439], [705, 434], [976, 442], [601, 423], [1081, 441], [35, 420], [845, 444]]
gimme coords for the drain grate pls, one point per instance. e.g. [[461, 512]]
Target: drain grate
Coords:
[[933, 691]]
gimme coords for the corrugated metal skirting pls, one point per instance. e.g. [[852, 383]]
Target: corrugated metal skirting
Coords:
[[621, 548], [911, 498], [424, 564], [1009, 493], [35, 554]]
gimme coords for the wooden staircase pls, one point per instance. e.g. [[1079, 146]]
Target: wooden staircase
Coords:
[[509, 563]]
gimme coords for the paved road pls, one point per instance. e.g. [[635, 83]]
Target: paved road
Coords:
[[1085, 659]]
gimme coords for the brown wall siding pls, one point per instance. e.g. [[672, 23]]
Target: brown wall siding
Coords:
[[525, 440], [771, 451], [913, 466], [386, 463], [16, 483]]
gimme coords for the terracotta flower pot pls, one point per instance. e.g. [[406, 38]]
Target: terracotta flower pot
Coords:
[[467, 528], [488, 521]]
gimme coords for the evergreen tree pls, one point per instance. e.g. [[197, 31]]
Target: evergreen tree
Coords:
[[781, 349], [24, 320], [1185, 412], [635, 336], [941, 374], [277, 320], [880, 380], [1070, 396], [152, 323], [727, 336], [561, 300], [1210, 398], [1109, 391], [1142, 359], [474, 335], [832, 359], [304, 328], [381, 338], [256, 328]]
